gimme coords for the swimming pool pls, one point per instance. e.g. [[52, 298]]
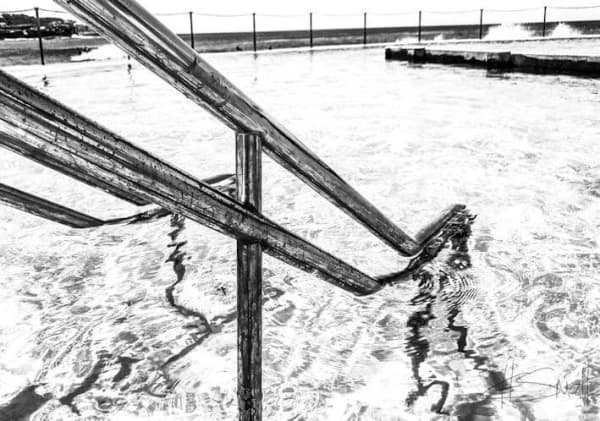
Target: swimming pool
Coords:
[[143, 315]]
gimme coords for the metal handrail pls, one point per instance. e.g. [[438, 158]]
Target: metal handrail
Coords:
[[82, 145], [145, 38], [61, 138], [45, 209], [54, 135]]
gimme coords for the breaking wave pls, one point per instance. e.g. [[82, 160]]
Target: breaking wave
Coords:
[[563, 30], [508, 31], [104, 52]]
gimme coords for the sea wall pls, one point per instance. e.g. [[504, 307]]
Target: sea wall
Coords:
[[501, 60]]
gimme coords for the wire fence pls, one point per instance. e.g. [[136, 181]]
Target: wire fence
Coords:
[[266, 30], [390, 13]]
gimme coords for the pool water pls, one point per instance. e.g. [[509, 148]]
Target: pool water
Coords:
[[138, 321]]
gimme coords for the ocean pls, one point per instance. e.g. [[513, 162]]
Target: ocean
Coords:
[[58, 50]]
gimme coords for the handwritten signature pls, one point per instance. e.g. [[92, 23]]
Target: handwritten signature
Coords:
[[586, 386]]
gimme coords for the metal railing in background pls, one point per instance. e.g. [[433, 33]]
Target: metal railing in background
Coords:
[[421, 19], [418, 13]]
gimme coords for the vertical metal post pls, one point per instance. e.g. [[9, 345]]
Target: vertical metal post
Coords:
[[480, 23], [311, 30], [249, 281], [254, 31], [39, 31], [192, 29], [419, 36], [544, 25], [365, 28]]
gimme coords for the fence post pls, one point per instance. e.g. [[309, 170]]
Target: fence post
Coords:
[[365, 28], [480, 23], [39, 31], [419, 36], [544, 25], [254, 31], [311, 30], [192, 29], [249, 281]]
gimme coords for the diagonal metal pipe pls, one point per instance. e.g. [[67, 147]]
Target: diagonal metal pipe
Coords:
[[85, 146], [43, 208], [10, 141]]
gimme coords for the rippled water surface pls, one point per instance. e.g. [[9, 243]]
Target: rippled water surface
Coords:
[[138, 321]]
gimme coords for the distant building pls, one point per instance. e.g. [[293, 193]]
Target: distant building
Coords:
[[25, 26]]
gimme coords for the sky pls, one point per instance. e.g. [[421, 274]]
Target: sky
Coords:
[[322, 7]]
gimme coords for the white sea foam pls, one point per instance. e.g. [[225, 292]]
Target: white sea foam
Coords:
[[104, 52], [508, 31], [563, 30], [407, 40]]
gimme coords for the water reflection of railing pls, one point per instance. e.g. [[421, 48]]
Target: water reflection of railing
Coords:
[[50, 133], [447, 293], [417, 345]]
